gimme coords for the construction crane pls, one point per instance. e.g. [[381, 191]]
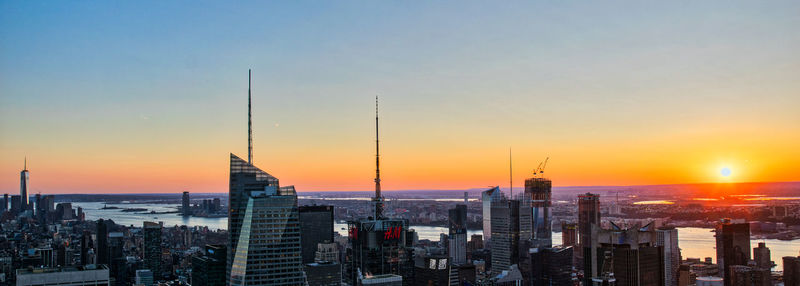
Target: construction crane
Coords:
[[540, 169]]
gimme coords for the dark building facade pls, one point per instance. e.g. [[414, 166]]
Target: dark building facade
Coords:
[[316, 225], [209, 269], [588, 216], [791, 271], [569, 233], [324, 273], [505, 234], [547, 266], [102, 242], [186, 209], [152, 248], [432, 271], [733, 247]]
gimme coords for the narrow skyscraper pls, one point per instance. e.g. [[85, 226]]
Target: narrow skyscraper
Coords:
[[24, 178], [733, 246], [668, 239], [487, 197], [457, 235], [152, 248], [185, 206], [588, 216]]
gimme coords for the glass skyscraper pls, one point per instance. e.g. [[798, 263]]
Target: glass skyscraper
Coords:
[[264, 229], [487, 197]]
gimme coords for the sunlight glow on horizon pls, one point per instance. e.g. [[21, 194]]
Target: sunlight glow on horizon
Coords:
[[119, 97]]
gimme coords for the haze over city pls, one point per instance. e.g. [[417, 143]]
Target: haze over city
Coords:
[[118, 97]]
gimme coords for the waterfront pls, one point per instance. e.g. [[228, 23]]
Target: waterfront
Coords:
[[694, 242]]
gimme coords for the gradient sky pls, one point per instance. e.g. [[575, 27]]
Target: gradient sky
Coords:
[[151, 96]]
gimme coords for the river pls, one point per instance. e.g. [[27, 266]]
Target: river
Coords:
[[694, 242]]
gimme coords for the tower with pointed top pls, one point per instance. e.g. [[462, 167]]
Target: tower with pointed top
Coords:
[[378, 199], [377, 244], [24, 178], [264, 245]]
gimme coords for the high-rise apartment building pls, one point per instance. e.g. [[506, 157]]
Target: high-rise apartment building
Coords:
[[316, 225], [733, 246], [186, 208], [457, 245], [667, 237], [152, 248]]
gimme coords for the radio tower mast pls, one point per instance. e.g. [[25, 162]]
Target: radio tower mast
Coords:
[[249, 123], [378, 199]]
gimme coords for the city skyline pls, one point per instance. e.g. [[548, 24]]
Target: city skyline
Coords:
[[143, 104]]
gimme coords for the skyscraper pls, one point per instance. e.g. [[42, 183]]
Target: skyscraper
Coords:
[[376, 244], [86, 243], [588, 216], [316, 225], [457, 246], [152, 248], [263, 224], [24, 177], [761, 255], [505, 235], [487, 197], [185, 206], [102, 242], [733, 246], [668, 239]]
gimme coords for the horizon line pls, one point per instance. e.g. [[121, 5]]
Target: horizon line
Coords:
[[451, 190]]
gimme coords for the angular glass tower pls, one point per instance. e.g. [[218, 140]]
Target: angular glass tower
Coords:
[[263, 225], [264, 229]]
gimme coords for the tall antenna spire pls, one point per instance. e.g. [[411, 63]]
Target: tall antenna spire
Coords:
[[249, 123], [26, 163], [378, 198], [510, 175]]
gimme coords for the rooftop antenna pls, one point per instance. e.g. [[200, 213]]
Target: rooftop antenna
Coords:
[[249, 123], [510, 175], [26, 164], [377, 199]]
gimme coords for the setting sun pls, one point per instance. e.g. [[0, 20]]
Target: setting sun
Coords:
[[725, 172]]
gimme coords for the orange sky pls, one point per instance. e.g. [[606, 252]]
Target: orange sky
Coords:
[[119, 97]]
